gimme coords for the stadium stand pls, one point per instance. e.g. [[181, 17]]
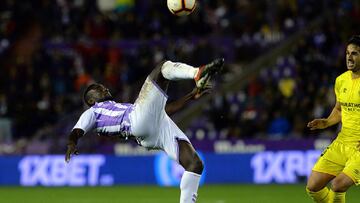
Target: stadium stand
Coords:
[[49, 54]]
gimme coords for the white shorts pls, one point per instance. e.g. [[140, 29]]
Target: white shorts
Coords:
[[151, 124]]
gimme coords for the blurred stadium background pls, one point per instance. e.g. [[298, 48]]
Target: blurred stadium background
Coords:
[[282, 58]]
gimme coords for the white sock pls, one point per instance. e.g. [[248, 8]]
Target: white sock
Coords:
[[178, 71], [189, 185]]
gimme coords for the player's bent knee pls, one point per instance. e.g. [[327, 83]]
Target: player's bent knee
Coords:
[[199, 166], [338, 186], [316, 182], [196, 165], [312, 187]]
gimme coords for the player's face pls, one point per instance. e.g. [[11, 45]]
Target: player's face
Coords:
[[105, 92], [353, 58]]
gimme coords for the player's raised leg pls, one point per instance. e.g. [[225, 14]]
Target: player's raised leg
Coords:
[[169, 70], [193, 166], [317, 186]]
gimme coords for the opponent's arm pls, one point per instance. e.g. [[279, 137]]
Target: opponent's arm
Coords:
[[74, 136], [332, 119], [179, 104]]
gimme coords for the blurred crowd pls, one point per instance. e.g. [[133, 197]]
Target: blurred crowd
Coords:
[[280, 101], [51, 50]]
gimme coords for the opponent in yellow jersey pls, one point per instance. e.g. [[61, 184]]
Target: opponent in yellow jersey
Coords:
[[347, 90], [340, 162]]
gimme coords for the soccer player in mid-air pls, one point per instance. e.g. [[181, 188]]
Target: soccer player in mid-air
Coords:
[[147, 119], [340, 162]]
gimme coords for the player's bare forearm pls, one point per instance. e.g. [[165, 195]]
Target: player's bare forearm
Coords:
[[179, 104], [332, 119], [335, 115], [74, 136]]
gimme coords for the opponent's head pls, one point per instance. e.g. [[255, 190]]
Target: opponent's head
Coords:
[[353, 54], [96, 93]]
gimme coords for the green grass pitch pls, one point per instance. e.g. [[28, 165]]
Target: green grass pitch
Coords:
[[153, 194]]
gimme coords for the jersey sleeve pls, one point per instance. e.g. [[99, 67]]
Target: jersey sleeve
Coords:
[[337, 88], [86, 121]]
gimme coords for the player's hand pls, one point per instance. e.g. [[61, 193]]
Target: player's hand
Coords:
[[318, 124], [71, 149], [200, 92]]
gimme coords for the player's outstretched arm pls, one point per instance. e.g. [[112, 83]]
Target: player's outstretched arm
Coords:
[[334, 118], [179, 104], [74, 136]]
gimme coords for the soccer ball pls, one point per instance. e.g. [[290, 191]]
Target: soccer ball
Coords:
[[181, 7]]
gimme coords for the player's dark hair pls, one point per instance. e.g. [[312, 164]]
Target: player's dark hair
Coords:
[[90, 97], [355, 39], [87, 95]]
